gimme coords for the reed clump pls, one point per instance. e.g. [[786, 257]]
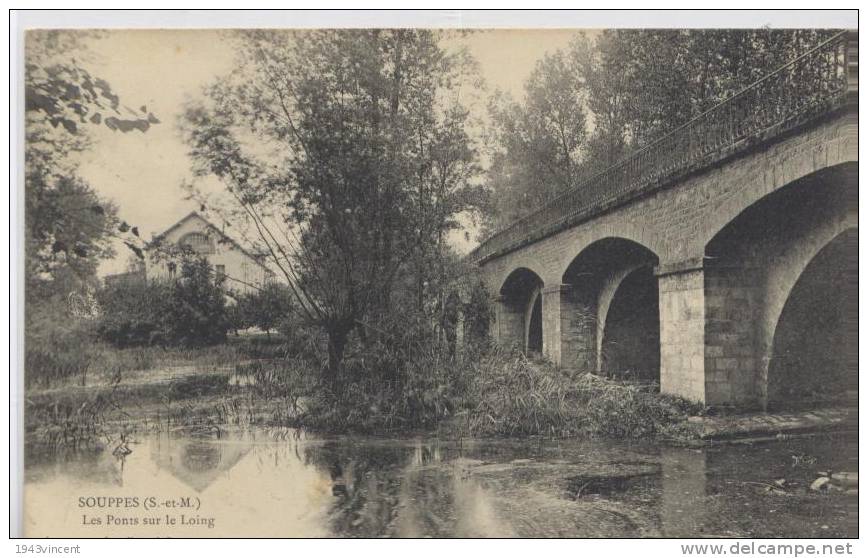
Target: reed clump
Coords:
[[511, 395]]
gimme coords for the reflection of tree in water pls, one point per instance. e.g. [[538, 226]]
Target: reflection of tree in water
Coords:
[[365, 483], [398, 491], [444, 491]]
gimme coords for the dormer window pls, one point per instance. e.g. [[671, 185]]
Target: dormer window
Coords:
[[199, 243]]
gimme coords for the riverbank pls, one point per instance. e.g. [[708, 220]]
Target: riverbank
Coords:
[[495, 394]]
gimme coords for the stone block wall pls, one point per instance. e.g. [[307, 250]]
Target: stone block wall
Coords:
[[732, 302], [509, 323], [578, 330], [682, 333], [705, 315]]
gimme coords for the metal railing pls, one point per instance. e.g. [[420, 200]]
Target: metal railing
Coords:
[[812, 85]]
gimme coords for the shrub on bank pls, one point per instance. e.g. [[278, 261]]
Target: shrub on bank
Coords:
[[477, 393], [265, 308], [510, 395], [133, 313], [189, 311], [69, 419], [57, 344]]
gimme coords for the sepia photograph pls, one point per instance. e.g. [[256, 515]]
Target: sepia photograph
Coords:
[[411, 281]]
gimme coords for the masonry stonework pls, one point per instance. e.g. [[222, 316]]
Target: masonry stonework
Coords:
[[715, 321]]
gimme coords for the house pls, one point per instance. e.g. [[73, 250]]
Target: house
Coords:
[[242, 270]]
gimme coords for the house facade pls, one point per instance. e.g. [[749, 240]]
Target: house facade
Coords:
[[241, 270]]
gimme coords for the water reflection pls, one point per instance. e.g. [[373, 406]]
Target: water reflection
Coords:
[[198, 459], [280, 483]]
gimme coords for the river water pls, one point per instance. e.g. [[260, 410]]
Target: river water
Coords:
[[280, 483]]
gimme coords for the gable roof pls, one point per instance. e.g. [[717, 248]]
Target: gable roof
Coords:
[[223, 237]]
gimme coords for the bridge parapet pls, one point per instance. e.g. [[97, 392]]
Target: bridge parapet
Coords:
[[811, 86]]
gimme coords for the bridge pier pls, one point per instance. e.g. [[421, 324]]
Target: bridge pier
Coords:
[[682, 329], [553, 321], [569, 335], [732, 307], [509, 322], [708, 332]]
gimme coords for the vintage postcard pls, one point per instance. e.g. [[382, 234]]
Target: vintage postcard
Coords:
[[416, 282]]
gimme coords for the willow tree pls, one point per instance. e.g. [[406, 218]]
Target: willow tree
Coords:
[[346, 155]]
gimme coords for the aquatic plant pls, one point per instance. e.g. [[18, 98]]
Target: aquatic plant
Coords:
[[511, 395]]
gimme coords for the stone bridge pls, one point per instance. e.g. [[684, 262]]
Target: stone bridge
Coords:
[[716, 260]]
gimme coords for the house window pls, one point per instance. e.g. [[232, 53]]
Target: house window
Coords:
[[220, 272], [199, 243]]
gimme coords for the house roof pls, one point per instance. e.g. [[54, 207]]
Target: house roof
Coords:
[[223, 236]]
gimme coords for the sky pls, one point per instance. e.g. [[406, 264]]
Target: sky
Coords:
[[142, 173]]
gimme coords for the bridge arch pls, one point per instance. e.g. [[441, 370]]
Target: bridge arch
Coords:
[[759, 264], [610, 314], [765, 184], [629, 232], [519, 311], [815, 341]]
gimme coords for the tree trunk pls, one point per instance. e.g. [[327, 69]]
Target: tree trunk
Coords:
[[337, 340]]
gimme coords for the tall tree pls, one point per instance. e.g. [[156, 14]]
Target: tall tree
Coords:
[[634, 86], [362, 160], [67, 225], [540, 140], [644, 83]]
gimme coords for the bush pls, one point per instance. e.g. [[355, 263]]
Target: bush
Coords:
[[265, 308], [510, 395], [73, 420], [195, 315], [133, 313], [303, 341], [397, 375], [58, 346], [189, 311], [477, 315]]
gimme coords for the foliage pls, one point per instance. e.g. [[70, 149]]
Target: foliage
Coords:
[[478, 314], [195, 313], [406, 378], [67, 224], [369, 163], [188, 311], [540, 141], [58, 344], [510, 395], [478, 392], [264, 308], [133, 313], [631, 86], [72, 420]]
